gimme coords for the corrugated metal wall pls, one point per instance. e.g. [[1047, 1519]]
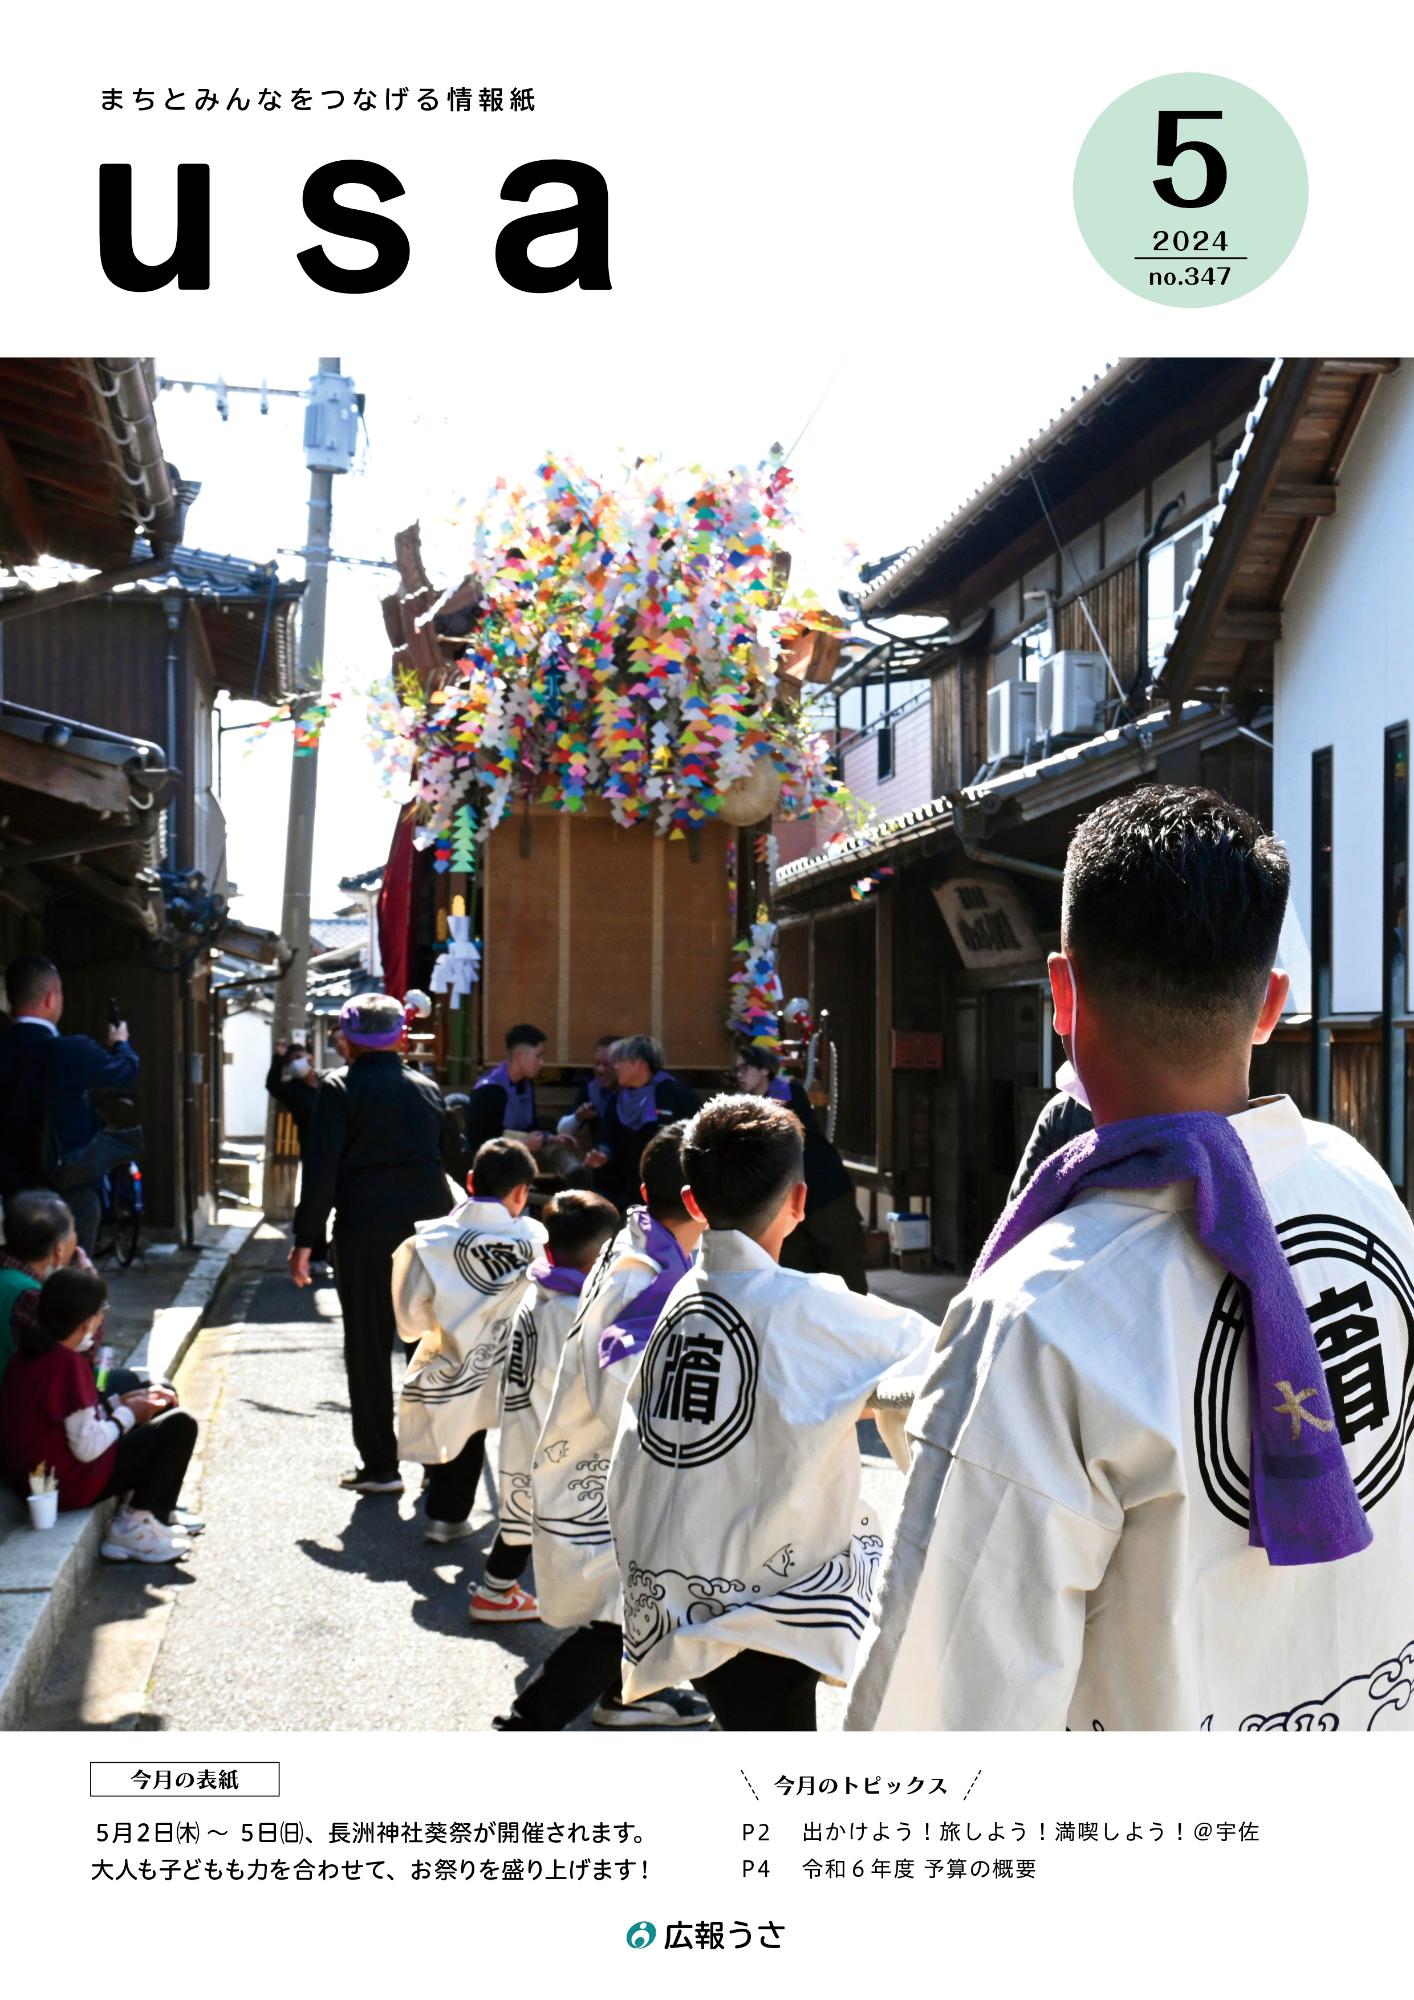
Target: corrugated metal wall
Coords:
[[912, 780]]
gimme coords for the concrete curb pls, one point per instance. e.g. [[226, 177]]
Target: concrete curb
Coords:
[[42, 1576]]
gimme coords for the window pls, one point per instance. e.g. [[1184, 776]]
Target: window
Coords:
[[1170, 566], [1396, 947], [1322, 787], [1022, 657], [886, 752]]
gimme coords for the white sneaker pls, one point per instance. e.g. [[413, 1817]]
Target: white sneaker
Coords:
[[447, 1531], [136, 1536]]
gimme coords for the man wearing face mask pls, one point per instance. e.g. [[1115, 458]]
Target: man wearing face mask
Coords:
[[293, 1085]]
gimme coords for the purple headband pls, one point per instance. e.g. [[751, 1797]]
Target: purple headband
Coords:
[[350, 1015]]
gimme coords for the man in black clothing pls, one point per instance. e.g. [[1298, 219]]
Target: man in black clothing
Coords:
[[292, 1082], [1064, 1118], [831, 1237], [646, 1098], [380, 1147]]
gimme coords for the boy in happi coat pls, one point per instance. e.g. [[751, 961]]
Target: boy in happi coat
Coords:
[[1159, 1477], [575, 1571], [734, 1495], [457, 1284], [578, 1225]]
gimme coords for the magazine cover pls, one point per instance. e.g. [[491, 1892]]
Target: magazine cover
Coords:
[[707, 1025]]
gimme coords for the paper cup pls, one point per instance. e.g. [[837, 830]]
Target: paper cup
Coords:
[[43, 1509]]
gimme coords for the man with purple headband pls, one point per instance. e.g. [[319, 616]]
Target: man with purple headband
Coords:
[[381, 1145], [1158, 1474]]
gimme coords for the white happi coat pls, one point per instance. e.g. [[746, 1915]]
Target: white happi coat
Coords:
[[456, 1286], [1073, 1548], [576, 1574], [734, 1494], [537, 1341]]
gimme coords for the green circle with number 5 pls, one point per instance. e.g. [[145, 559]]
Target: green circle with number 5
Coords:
[[1190, 190]]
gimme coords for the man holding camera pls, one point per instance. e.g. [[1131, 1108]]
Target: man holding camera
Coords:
[[50, 1133]]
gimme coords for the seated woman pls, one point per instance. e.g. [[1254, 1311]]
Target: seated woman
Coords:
[[51, 1414]]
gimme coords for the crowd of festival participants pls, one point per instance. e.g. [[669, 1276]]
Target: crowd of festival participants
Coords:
[[1153, 1459]]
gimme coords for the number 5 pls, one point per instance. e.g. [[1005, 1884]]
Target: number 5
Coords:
[[1170, 146]]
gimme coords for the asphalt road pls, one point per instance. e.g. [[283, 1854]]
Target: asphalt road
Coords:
[[303, 1606]]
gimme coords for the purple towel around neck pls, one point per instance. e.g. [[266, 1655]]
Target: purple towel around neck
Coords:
[[520, 1099], [556, 1277], [638, 1105], [631, 1330], [1304, 1507]]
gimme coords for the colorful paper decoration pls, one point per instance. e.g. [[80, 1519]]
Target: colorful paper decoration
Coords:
[[624, 644], [463, 857], [754, 1014], [310, 715]]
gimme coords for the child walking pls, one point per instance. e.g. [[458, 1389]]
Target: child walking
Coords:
[[735, 1486], [457, 1285], [578, 1224], [576, 1575]]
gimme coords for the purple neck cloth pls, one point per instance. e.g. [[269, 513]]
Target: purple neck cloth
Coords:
[[556, 1277], [1303, 1507], [520, 1098], [639, 1107], [630, 1331], [779, 1089]]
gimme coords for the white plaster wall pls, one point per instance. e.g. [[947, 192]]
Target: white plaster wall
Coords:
[[247, 1042], [1344, 674]]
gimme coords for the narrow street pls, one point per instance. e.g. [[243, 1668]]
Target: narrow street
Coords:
[[302, 1606]]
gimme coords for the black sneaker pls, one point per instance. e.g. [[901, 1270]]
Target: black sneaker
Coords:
[[361, 1480], [670, 1708]]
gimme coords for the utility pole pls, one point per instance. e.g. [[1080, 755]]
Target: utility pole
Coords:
[[330, 439]]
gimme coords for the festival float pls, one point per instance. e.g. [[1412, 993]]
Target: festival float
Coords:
[[594, 729]]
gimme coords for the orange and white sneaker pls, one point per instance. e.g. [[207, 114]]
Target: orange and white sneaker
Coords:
[[511, 1606]]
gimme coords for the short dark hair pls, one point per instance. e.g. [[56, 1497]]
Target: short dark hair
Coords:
[[1172, 908], [660, 1172], [525, 1036], [35, 1221], [766, 1059], [27, 977], [500, 1167], [741, 1156], [578, 1223], [66, 1299]]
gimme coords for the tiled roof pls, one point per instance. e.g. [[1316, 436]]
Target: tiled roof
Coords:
[[1226, 493], [861, 851], [1034, 452]]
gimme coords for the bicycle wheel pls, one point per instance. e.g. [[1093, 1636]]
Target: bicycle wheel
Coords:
[[127, 1228]]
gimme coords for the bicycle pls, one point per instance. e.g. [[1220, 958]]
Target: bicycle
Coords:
[[120, 1219]]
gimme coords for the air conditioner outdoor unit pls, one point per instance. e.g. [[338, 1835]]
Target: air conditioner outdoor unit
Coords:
[[1011, 719], [1072, 689]]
